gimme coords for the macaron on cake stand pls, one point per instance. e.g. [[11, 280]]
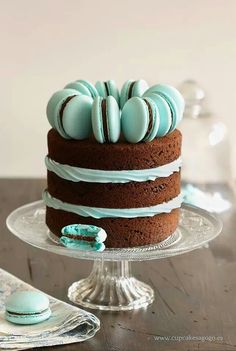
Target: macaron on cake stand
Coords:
[[111, 285], [142, 115]]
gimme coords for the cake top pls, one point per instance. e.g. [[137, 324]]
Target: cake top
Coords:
[[136, 113]]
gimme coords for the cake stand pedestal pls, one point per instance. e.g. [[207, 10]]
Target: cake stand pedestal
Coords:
[[111, 285]]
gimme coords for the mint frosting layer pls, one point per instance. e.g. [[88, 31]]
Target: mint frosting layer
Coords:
[[77, 174], [97, 212]]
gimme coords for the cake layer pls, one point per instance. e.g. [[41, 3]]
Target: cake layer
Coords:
[[121, 156], [121, 232], [115, 195]]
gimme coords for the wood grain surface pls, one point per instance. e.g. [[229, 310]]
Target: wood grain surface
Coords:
[[195, 292]]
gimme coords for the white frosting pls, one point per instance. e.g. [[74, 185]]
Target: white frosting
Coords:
[[97, 212], [77, 174]]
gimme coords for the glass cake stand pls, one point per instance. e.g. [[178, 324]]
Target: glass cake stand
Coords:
[[111, 285]]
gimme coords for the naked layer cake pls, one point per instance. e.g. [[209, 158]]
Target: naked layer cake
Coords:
[[114, 161]]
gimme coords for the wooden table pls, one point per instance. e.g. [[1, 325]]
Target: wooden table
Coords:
[[195, 292]]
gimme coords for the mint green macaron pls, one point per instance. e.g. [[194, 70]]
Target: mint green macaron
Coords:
[[132, 88], [92, 89], [27, 307], [72, 117], [108, 88], [140, 120], [84, 87], [165, 114], [173, 98], [106, 119], [53, 101], [83, 237]]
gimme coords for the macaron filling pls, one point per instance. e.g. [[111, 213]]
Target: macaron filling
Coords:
[[80, 237], [150, 123], [63, 106], [104, 120]]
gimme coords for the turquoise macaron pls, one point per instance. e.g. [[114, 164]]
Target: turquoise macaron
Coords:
[[132, 88], [27, 307], [106, 122], [165, 114], [140, 120], [173, 98], [72, 117], [108, 88], [53, 101], [83, 237], [84, 87]]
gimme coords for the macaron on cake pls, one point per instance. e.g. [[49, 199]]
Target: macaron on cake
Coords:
[[140, 120], [72, 117], [174, 99], [84, 87], [83, 237], [113, 164], [27, 307], [132, 88], [106, 119], [108, 88]]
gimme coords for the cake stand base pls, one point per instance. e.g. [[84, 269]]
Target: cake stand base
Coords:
[[111, 287]]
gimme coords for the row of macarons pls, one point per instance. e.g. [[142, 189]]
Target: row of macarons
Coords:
[[146, 113]]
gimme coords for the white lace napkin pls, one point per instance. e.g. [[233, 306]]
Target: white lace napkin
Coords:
[[67, 324]]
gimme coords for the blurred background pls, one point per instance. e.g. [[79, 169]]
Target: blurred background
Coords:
[[46, 44]]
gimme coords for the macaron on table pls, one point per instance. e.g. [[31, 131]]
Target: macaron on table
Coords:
[[113, 188], [27, 307]]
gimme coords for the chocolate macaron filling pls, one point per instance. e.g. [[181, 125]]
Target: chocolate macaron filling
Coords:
[[104, 120], [150, 124], [80, 237]]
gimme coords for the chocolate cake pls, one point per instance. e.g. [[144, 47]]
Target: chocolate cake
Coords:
[[88, 154], [113, 163]]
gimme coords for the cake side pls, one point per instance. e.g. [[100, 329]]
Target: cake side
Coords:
[[146, 226], [121, 232], [120, 156]]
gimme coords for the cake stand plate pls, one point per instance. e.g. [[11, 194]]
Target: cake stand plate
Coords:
[[111, 285]]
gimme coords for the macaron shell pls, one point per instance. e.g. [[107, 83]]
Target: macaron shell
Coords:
[[113, 119], [82, 244], [164, 114], [124, 92], [174, 111], [58, 120], [53, 101], [167, 91], [113, 90], [134, 120], [77, 117], [97, 124], [27, 302], [89, 86], [100, 86], [155, 120], [25, 319], [81, 88], [139, 88]]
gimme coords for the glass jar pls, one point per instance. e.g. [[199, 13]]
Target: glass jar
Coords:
[[205, 152]]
